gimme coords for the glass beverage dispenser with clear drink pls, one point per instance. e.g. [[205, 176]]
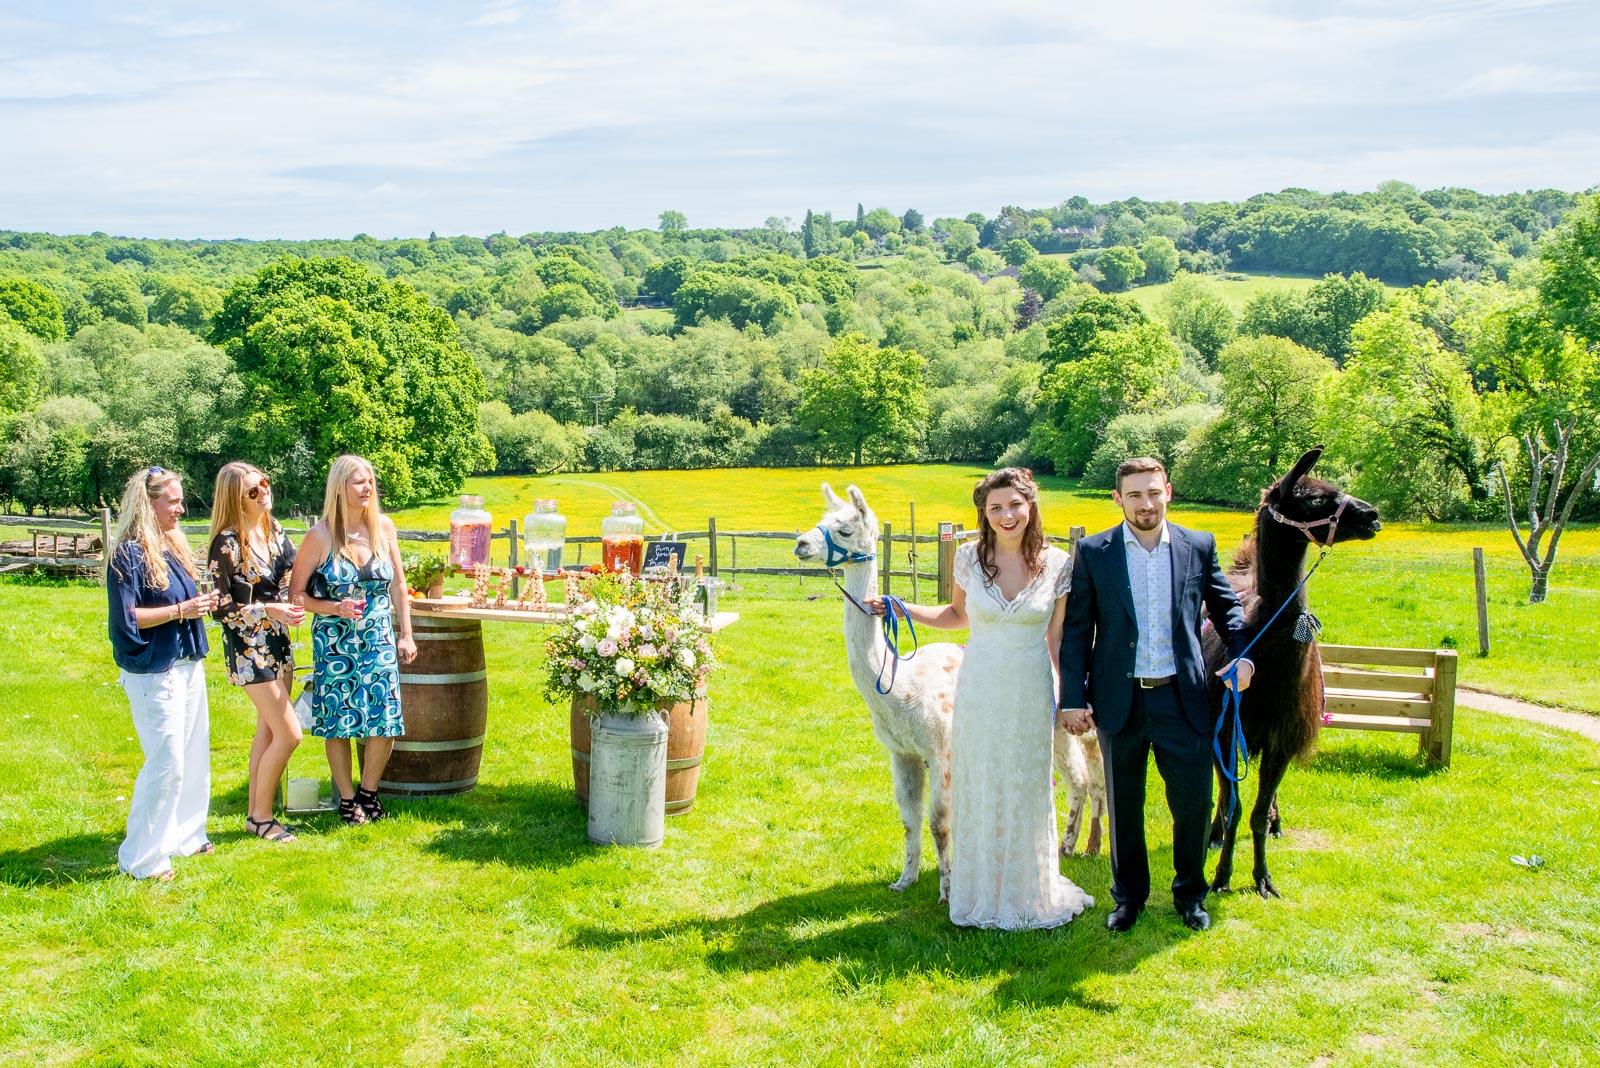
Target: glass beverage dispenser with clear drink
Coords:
[[470, 526], [544, 532], [622, 538]]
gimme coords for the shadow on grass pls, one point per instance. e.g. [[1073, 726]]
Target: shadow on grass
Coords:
[[525, 824], [80, 858], [868, 935], [1372, 760]]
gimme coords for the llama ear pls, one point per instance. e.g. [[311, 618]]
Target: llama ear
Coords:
[[831, 499], [1302, 467], [860, 502]]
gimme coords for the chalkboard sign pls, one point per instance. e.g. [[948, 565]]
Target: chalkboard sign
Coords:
[[659, 553]]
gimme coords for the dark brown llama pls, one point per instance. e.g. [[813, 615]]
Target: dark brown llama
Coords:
[[1282, 709]]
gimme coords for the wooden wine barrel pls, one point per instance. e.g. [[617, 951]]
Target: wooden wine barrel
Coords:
[[444, 697], [686, 747]]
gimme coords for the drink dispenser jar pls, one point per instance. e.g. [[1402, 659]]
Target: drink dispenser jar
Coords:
[[622, 538], [544, 533], [470, 527]]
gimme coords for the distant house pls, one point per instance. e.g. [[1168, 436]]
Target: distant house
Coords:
[[1076, 233]]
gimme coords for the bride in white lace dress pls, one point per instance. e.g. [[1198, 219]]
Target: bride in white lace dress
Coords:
[[1010, 589]]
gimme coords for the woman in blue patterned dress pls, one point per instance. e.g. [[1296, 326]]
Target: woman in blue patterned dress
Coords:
[[348, 572]]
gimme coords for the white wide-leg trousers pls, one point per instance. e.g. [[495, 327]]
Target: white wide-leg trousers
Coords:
[[173, 790]]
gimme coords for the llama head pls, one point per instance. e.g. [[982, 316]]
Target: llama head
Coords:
[[847, 527], [1315, 506]]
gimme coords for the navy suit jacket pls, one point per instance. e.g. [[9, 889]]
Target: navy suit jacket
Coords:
[[1100, 632]]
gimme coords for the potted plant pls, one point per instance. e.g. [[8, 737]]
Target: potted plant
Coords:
[[633, 660], [426, 572]]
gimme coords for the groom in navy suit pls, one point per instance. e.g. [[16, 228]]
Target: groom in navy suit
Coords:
[[1131, 668]]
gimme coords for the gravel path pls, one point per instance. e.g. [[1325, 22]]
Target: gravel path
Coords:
[[1577, 722]]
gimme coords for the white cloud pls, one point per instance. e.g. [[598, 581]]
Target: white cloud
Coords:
[[1525, 78]]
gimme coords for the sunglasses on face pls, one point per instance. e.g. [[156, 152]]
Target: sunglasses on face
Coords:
[[260, 489]]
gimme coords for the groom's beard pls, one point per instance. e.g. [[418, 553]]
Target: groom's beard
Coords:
[[1147, 523]]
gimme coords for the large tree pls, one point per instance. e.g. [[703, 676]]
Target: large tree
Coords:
[[1133, 369], [334, 359], [1120, 266], [864, 401], [32, 307]]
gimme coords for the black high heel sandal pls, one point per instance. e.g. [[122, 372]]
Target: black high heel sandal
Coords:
[[264, 829], [351, 811], [368, 800]]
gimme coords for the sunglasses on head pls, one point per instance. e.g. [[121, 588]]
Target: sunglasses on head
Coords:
[[264, 486], [152, 472]]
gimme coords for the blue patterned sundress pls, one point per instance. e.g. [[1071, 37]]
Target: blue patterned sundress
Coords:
[[355, 680]]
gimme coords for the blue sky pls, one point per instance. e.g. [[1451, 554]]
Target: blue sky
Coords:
[[396, 119]]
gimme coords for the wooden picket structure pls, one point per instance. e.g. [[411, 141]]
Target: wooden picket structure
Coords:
[[1420, 702]]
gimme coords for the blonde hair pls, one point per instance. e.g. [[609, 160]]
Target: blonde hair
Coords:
[[333, 508], [136, 525], [228, 513]]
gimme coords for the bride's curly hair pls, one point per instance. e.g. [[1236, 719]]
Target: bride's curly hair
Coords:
[[1021, 480]]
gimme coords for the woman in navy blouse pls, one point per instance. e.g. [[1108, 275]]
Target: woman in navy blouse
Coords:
[[158, 639]]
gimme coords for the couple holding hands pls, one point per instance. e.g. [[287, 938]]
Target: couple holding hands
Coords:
[[1118, 625]]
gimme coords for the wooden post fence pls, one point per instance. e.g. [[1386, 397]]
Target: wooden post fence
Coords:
[[888, 558], [1481, 580]]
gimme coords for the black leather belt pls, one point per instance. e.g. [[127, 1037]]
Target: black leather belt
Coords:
[[1151, 684]]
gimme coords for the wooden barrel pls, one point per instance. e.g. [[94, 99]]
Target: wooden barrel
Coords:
[[686, 747], [444, 697]]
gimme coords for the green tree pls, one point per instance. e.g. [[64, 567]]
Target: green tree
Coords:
[[864, 401], [982, 261], [32, 307], [1049, 278], [1404, 416], [1270, 402], [1128, 370], [1017, 252], [962, 240], [185, 302], [1196, 315], [880, 221], [115, 295], [673, 222], [21, 367], [335, 359], [912, 221], [664, 278], [1335, 305], [1120, 266], [1072, 337], [1160, 258]]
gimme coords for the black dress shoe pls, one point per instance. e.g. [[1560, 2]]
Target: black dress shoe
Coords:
[[1195, 917], [1122, 917]]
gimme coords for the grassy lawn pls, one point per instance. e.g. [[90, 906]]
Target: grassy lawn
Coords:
[[1410, 587], [484, 930], [1237, 292]]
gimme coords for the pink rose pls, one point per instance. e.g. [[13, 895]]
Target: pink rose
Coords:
[[607, 647]]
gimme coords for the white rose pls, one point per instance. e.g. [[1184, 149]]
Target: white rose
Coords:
[[586, 642], [614, 632], [624, 666], [686, 657], [587, 681]]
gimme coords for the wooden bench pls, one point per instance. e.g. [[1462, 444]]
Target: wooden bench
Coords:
[[1361, 697], [89, 541]]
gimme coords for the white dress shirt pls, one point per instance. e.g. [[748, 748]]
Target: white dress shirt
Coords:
[[1150, 576]]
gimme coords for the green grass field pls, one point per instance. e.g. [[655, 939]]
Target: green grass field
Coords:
[[483, 929], [1236, 292]]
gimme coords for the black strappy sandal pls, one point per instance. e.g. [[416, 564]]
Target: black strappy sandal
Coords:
[[351, 811], [368, 800], [264, 829]]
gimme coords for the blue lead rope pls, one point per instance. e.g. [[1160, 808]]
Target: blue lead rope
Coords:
[[1235, 761]]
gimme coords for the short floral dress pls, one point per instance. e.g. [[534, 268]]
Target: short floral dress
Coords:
[[255, 648], [355, 680]]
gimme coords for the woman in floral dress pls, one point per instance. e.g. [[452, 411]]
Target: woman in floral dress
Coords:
[[250, 560]]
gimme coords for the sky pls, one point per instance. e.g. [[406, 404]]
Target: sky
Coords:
[[397, 119]]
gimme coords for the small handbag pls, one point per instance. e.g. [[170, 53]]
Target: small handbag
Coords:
[[302, 705]]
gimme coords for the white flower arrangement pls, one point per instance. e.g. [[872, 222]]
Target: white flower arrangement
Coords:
[[629, 647]]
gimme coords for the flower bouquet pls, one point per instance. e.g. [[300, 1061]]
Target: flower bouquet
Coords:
[[630, 647]]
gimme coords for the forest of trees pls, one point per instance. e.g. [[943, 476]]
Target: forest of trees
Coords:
[[883, 337]]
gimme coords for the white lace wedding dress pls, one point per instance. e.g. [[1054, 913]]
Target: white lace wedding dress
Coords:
[[1004, 867]]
